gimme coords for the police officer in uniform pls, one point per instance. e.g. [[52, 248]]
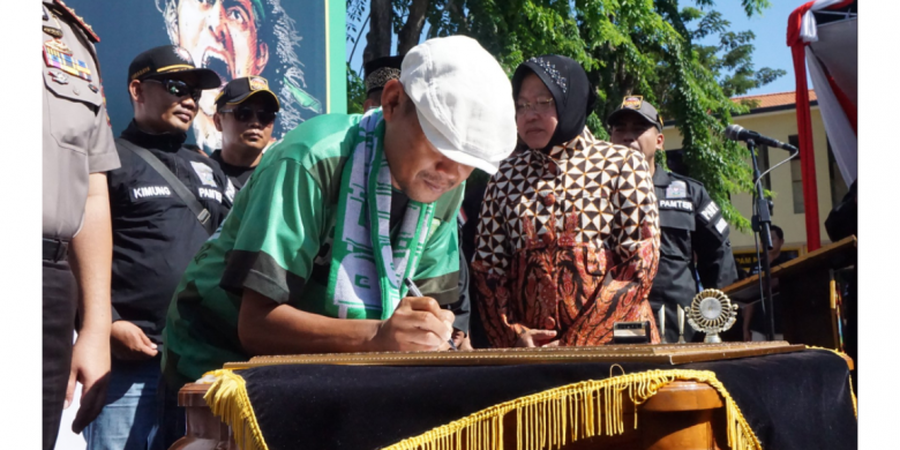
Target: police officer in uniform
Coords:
[[78, 150], [156, 232], [689, 220]]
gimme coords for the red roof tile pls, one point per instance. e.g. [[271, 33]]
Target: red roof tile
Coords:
[[772, 100]]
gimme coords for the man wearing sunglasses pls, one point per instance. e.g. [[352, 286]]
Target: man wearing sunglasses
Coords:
[[245, 115], [153, 198]]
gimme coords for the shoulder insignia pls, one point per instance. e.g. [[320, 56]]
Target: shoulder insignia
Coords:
[[709, 211], [78, 20]]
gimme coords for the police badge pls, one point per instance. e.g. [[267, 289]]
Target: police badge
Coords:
[[258, 84], [676, 189], [205, 173], [633, 102]]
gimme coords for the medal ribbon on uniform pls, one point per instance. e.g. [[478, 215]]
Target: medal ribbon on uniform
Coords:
[[58, 55]]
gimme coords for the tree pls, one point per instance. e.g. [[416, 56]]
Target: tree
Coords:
[[731, 59], [645, 47], [356, 92]]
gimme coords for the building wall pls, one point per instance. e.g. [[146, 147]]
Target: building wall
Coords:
[[780, 125]]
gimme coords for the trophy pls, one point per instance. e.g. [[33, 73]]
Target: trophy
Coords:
[[712, 313]]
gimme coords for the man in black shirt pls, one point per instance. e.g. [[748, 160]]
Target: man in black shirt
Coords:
[[690, 222], [156, 232], [245, 115]]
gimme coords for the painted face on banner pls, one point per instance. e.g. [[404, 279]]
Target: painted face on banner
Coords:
[[221, 35]]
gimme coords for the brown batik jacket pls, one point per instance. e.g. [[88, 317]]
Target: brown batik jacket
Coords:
[[569, 242]]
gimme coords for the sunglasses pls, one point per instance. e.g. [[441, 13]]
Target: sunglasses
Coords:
[[178, 88], [245, 113]]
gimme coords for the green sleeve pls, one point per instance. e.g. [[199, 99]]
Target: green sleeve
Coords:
[[280, 233]]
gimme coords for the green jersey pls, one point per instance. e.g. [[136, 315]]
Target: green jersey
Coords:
[[277, 241]]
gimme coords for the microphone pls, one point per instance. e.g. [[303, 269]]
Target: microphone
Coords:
[[738, 133]]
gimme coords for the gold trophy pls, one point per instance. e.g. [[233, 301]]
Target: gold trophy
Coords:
[[712, 313]]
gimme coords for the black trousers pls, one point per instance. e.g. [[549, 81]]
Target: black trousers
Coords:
[[59, 304]]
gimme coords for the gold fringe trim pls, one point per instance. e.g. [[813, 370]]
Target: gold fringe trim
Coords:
[[227, 398], [572, 412], [849, 377]]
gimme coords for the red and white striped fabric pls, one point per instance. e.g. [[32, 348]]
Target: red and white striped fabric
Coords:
[[837, 107]]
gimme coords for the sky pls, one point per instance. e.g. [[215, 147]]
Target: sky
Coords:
[[770, 29]]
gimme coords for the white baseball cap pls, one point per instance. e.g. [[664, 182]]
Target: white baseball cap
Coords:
[[463, 100]]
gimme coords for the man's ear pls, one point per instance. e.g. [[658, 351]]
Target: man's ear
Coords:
[[392, 98], [661, 142], [217, 119], [262, 57], [135, 91]]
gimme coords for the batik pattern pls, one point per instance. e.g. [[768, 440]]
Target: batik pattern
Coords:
[[567, 241]]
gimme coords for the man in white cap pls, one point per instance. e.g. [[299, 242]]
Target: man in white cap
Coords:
[[339, 214]]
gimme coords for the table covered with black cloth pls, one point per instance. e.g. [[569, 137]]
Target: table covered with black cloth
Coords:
[[791, 401]]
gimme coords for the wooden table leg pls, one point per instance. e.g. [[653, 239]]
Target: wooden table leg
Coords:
[[681, 416], [204, 431]]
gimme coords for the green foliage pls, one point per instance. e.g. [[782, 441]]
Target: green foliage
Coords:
[[596, 126], [355, 13], [356, 92]]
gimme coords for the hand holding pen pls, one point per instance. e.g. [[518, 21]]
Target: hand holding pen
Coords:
[[415, 292]]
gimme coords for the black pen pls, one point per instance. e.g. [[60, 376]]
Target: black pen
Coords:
[[415, 292]]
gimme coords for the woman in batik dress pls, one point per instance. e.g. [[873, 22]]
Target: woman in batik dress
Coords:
[[568, 235]]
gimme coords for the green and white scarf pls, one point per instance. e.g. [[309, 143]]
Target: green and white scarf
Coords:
[[366, 278]]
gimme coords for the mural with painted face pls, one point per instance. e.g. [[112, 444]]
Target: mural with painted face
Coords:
[[239, 38]]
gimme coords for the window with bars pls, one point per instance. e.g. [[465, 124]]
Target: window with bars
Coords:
[[762, 158]]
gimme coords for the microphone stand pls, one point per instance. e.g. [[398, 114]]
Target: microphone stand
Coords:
[[762, 221]]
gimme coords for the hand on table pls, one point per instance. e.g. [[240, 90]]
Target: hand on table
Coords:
[[536, 338], [539, 338], [129, 343], [418, 323], [461, 340], [90, 367]]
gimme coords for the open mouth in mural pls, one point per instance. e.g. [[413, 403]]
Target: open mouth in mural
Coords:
[[217, 62]]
